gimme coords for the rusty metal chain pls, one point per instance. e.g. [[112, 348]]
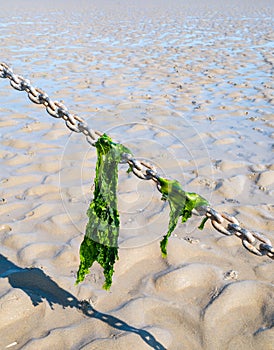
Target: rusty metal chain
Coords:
[[224, 223]]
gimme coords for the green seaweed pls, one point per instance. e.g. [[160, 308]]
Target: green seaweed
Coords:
[[101, 238], [181, 203], [100, 242]]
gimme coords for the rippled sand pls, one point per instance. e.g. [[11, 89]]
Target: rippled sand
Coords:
[[187, 86]]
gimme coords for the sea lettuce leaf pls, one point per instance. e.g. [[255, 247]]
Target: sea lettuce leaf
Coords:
[[181, 203], [100, 242], [101, 238]]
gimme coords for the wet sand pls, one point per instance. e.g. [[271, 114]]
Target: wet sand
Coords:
[[188, 87]]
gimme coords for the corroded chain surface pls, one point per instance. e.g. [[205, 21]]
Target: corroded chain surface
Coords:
[[224, 223]]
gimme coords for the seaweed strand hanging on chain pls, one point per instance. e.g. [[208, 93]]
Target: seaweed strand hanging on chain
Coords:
[[101, 238], [181, 203]]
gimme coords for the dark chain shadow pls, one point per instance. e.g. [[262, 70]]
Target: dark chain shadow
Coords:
[[39, 287]]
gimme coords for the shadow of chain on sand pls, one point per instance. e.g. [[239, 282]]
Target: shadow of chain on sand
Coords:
[[38, 286]]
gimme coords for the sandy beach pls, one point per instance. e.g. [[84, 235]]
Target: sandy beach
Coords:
[[187, 86]]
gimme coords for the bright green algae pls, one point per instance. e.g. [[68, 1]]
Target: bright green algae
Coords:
[[101, 239], [102, 231], [181, 203]]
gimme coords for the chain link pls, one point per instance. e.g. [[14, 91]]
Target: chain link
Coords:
[[226, 224], [142, 169]]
